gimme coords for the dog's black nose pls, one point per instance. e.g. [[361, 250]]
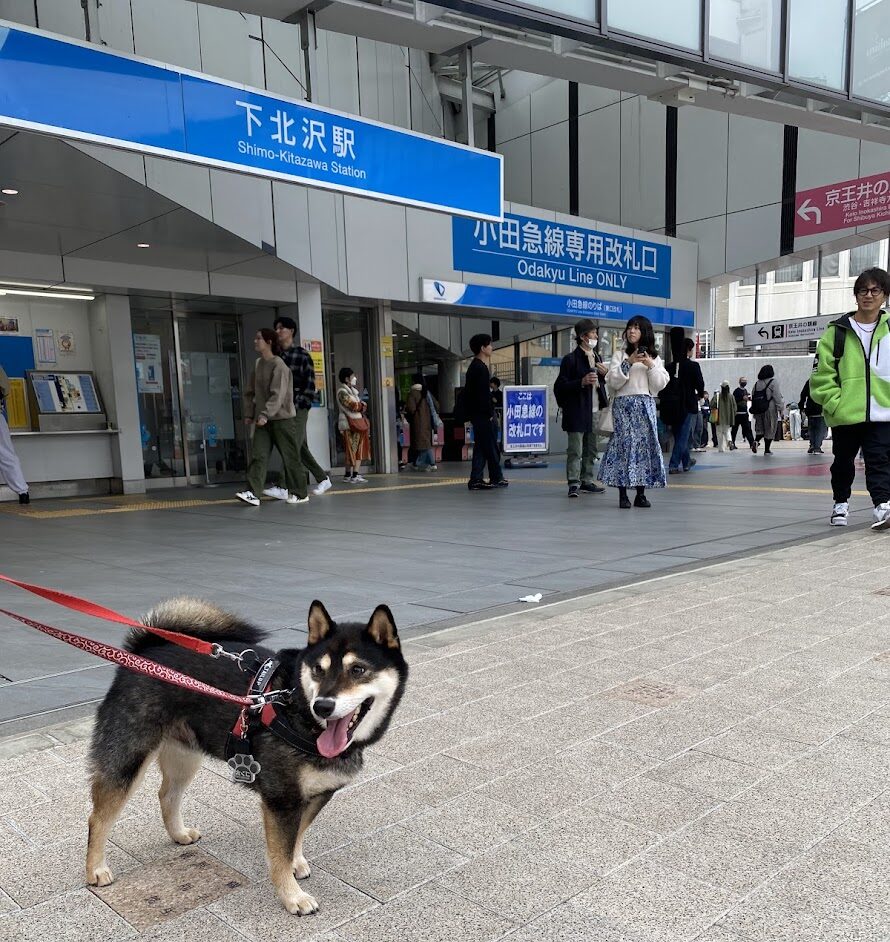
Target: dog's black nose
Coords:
[[324, 707]]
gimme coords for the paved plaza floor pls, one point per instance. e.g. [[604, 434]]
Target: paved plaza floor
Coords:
[[703, 755], [437, 554]]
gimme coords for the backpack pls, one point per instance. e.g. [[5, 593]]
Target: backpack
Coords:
[[760, 400], [561, 394], [671, 405]]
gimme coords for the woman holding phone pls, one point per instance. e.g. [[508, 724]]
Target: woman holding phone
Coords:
[[636, 376]]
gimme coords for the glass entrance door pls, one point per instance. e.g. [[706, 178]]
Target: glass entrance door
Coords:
[[211, 385]]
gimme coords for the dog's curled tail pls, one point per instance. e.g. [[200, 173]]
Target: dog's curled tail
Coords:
[[198, 617]]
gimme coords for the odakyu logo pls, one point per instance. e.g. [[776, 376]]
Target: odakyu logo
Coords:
[[443, 292], [439, 288]]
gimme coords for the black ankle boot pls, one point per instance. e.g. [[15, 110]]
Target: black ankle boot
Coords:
[[623, 500], [641, 500]]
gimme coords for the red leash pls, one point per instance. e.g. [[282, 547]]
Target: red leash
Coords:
[[127, 659]]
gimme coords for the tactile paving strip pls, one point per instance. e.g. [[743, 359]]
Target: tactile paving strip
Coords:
[[169, 888]]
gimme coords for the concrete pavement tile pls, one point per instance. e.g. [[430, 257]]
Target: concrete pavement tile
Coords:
[[751, 745], [659, 904], [422, 702], [6, 903], [389, 862], [17, 794], [471, 824], [73, 917], [864, 756], [707, 775], [16, 764], [34, 876], [196, 926], [436, 780], [257, 914], [501, 752], [47, 822], [655, 805], [361, 810], [428, 914], [423, 738], [717, 934], [783, 911], [789, 723], [570, 922]]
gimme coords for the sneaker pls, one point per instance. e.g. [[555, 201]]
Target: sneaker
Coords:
[[249, 498], [293, 499], [574, 490], [358, 479], [479, 486], [673, 470], [593, 489], [322, 487], [882, 516], [502, 483], [433, 467], [279, 493], [25, 498], [818, 451], [733, 446], [839, 515]]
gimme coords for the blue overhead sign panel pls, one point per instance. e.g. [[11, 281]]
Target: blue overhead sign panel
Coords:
[[79, 91], [555, 305], [562, 254]]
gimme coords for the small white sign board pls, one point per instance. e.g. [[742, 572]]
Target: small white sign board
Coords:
[[811, 328]]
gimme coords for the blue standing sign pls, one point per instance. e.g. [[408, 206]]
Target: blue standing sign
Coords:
[[525, 420], [562, 254], [81, 91]]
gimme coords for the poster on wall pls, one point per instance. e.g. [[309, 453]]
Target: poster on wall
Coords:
[[66, 343], [315, 349], [45, 341], [9, 325], [15, 406], [64, 393], [149, 370]]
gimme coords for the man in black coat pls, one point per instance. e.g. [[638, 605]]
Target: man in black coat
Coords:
[[689, 388], [578, 388], [478, 408]]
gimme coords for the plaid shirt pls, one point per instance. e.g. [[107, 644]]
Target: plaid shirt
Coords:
[[300, 364]]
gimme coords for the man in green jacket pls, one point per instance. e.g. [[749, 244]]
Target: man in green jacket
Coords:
[[851, 382]]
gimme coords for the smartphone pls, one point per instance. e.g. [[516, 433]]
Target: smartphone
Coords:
[[642, 351]]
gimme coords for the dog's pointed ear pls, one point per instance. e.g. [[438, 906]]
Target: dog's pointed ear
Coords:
[[320, 623], [382, 628]]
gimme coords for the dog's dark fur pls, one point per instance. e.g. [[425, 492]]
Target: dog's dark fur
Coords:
[[141, 718]]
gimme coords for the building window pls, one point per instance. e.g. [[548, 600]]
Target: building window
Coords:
[[830, 266], [817, 44], [677, 23], [746, 31], [789, 274], [865, 256], [585, 10], [871, 50]]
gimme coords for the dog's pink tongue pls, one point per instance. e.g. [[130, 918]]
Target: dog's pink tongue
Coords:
[[334, 739]]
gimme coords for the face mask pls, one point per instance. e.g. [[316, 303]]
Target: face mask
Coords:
[[743, 385], [353, 381]]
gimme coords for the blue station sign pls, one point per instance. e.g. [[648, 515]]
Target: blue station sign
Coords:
[[80, 91], [484, 297], [562, 254], [525, 419]]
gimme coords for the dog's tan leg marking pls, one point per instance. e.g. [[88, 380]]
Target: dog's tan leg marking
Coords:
[[108, 801], [179, 765], [280, 842], [310, 813]]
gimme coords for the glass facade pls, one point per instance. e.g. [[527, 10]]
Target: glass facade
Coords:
[[585, 10], [746, 31], [871, 50], [817, 42], [677, 23]]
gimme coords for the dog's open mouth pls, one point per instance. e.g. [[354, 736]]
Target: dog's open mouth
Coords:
[[338, 733]]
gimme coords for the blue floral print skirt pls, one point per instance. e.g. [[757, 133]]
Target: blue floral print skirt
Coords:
[[633, 456]]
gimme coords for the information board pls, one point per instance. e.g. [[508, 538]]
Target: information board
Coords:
[[65, 393], [525, 420]]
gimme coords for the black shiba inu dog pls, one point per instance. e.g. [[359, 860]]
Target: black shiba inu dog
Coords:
[[344, 687]]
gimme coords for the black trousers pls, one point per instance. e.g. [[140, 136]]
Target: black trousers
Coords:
[[874, 440], [743, 422], [485, 450]]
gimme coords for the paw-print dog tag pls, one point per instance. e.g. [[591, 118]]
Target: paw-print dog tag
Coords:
[[244, 768]]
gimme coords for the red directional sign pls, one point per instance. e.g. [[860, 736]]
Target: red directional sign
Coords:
[[842, 205]]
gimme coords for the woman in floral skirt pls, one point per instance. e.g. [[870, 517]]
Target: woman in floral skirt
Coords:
[[636, 376]]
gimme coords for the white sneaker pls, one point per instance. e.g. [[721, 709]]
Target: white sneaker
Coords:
[[434, 467], [249, 498], [882, 516], [358, 479], [839, 515], [293, 499], [322, 487], [279, 493]]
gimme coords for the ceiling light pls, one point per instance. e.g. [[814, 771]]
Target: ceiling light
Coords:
[[143, 245], [49, 294], [9, 191]]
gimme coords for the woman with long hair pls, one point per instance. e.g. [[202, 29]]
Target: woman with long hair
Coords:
[[423, 416], [636, 376], [269, 407], [725, 405], [768, 423], [353, 425]]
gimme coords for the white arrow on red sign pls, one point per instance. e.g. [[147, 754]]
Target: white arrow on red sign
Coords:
[[806, 208]]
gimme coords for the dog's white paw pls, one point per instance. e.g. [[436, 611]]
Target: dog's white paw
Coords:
[[302, 870], [300, 903], [187, 836], [101, 876]]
